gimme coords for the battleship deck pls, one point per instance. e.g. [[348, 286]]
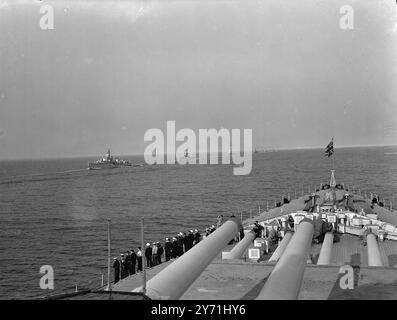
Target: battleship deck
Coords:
[[299, 204], [234, 279], [240, 279]]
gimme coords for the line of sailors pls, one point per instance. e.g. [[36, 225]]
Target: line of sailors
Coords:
[[131, 262]]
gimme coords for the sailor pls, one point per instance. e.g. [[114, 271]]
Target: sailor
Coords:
[[116, 266], [189, 240], [197, 236], [148, 255], [291, 222], [154, 254], [242, 234], [267, 243], [133, 261], [128, 263], [180, 241], [139, 258], [168, 249], [175, 248], [258, 229], [219, 221], [124, 272], [186, 241], [185, 244], [160, 251], [273, 236]]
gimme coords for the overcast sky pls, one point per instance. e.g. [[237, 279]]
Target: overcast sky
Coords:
[[110, 70]]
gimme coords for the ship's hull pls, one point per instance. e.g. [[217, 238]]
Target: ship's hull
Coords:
[[101, 166]]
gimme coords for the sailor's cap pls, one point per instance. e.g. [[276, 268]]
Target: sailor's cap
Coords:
[[190, 230], [122, 254], [195, 230], [157, 242], [114, 258], [173, 238], [167, 238], [148, 244], [180, 233]]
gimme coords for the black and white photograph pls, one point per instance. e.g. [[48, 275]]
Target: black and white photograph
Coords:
[[192, 155]]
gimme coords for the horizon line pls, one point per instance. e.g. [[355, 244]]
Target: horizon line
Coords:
[[273, 149]]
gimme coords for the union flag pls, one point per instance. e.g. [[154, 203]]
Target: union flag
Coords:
[[329, 150]]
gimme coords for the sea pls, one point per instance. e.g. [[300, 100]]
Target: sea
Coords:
[[55, 212]]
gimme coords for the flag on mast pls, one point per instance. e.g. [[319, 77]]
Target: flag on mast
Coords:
[[329, 150]]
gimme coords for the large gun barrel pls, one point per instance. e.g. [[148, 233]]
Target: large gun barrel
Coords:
[[374, 258], [172, 282], [326, 249], [285, 280], [281, 247], [240, 247]]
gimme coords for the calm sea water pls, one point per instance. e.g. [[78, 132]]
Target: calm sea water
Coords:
[[53, 212]]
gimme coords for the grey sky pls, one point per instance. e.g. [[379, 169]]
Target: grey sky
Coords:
[[111, 70]]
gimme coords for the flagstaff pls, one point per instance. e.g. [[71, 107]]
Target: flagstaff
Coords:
[[329, 151]]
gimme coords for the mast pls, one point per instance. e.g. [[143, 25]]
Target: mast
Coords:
[[333, 155], [329, 151]]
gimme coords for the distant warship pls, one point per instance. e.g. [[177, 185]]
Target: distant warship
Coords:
[[108, 162]]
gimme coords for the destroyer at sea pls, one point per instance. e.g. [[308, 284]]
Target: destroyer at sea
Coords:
[[108, 162]]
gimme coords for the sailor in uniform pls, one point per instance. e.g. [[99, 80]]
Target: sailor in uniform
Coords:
[[133, 261], [148, 255], [160, 251], [219, 221], [124, 271], [184, 244], [175, 248], [181, 241], [154, 254], [128, 263], [167, 249], [197, 236], [139, 258], [116, 267], [189, 240]]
